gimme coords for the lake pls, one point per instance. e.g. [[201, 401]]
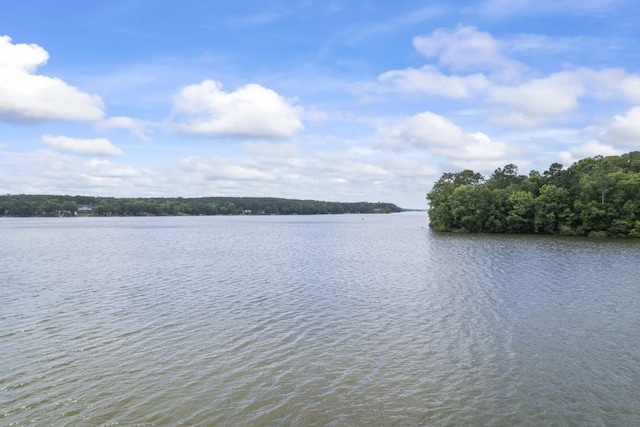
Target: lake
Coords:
[[342, 320]]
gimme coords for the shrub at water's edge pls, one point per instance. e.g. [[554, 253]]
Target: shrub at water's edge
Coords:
[[596, 196]]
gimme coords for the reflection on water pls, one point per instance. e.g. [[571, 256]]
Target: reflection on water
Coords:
[[342, 320]]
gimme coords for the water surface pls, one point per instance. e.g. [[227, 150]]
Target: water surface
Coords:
[[313, 320]]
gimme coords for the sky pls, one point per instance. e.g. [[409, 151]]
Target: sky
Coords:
[[330, 100]]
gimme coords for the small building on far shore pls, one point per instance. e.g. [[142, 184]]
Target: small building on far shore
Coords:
[[85, 209]]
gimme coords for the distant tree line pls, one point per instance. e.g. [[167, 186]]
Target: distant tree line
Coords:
[[597, 196], [47, 205]]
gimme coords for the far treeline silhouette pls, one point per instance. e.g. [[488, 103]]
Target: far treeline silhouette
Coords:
[[596, 196], [46, 205]]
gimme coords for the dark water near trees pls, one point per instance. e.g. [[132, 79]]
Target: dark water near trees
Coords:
[[323, 320]]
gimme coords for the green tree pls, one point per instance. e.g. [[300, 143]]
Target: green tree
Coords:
[[551, 210], [521, 212], [69, 206]]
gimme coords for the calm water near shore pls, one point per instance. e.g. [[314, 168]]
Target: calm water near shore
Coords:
[[342, 320]]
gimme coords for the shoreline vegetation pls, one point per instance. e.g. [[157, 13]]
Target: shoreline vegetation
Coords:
[[597, 196], [24, 205]]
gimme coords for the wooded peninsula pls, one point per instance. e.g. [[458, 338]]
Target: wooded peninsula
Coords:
[[24, 205], [596, 196]]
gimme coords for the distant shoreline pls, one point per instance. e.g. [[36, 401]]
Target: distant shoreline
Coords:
[[23, 205]]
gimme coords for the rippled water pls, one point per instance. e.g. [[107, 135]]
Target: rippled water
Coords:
[[323, 320]]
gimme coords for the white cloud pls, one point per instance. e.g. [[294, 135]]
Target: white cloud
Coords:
[[95, 146], [590, 149], [621, 134], [429, 80], [279, 151], [425, 130], [611, 84], [541, 100], [630, 88], [313, 115], [27, 57], [467, 48], [504, 90], [137, 128], [530, 103], [251, 110], [554, 95], [543, 44], [439, 136], [353, 168], [560, 93], [216, 169], [481, 147], [407, 167], [29, 97], [98, 168], [624, 129]]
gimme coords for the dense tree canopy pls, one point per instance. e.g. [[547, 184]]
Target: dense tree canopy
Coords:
[[594, 196], [44, 205]]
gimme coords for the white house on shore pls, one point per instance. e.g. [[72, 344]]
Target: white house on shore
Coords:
[[85, 209]]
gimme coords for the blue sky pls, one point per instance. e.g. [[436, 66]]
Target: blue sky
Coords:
[[328, 100]]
